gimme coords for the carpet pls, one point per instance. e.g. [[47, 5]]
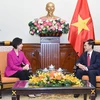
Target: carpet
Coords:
[[55, 97], [47, 97]]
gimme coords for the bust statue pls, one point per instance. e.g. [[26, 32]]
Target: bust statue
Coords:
[[50, 8]]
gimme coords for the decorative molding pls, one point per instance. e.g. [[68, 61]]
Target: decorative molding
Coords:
[[5, 48]]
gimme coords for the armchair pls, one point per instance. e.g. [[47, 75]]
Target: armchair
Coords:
[[5, 82]]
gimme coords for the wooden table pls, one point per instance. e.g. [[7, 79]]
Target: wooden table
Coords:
[[22, 88]]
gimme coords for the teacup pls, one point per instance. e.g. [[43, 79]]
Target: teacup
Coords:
[[59, 70], [51, 67], [45, 70]]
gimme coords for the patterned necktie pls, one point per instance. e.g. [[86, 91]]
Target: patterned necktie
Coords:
[[88, 59]]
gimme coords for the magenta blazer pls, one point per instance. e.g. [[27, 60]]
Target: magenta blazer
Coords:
[[14, 62]]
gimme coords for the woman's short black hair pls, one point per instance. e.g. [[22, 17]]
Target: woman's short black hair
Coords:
[[16, 41]]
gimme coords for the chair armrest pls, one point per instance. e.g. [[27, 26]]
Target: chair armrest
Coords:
[[0, 77]]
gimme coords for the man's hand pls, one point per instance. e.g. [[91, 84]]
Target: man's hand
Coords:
[[84, 68]]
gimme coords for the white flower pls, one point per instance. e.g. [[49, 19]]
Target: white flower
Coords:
[[47, 26], [60, 29], [55, 26], [31, 32], [58, 18], [33, 21], [54, 22], [62, 26], [66, 23], [47, 20], [50, 20], [40, 21], [37, 31], [44, 28]]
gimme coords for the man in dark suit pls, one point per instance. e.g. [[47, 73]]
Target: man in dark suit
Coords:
[[88, 63]]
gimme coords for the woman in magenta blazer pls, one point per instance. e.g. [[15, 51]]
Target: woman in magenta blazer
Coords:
[[15, 60]]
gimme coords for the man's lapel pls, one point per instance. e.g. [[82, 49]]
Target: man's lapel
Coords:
[[85, 58], [92, 57]]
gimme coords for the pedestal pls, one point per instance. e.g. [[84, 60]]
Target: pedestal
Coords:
[[50, 51]]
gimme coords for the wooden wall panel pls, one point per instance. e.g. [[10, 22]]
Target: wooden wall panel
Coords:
[[67, 56]]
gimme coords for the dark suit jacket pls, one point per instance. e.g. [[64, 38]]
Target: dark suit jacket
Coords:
[[94, 63]]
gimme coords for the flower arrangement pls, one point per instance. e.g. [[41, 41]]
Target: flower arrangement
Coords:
[[45, 26], [54, 78]]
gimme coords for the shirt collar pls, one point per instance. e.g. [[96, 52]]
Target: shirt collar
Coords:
[[90, 53]]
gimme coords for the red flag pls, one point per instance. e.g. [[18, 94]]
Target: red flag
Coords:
[[81, 27]]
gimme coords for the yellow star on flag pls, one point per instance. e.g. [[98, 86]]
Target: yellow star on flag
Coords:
[[81, 24]]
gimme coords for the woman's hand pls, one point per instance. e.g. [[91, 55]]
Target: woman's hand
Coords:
[[26, 67]]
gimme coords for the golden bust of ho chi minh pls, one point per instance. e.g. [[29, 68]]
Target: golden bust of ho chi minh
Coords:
[[50, 8]]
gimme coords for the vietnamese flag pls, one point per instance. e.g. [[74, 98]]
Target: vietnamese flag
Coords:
[[81, 27]]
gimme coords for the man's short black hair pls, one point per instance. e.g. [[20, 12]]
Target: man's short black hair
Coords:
[[91, 42], [16, 41]]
